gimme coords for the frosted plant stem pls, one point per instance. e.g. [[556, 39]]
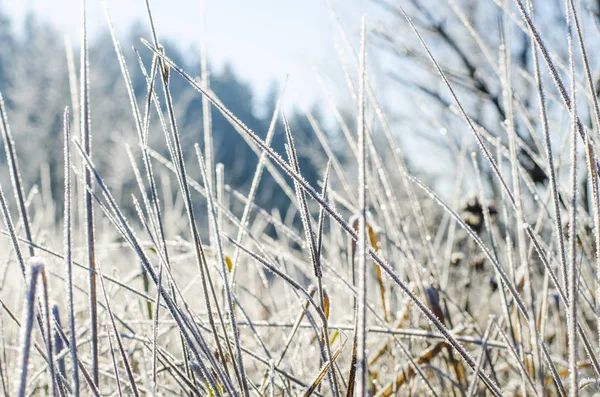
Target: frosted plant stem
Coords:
[[362, 223], [86, 138], [26, 328], [572, 273], [68, 254]]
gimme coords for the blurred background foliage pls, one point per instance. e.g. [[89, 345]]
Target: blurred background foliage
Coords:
[[34, 80]]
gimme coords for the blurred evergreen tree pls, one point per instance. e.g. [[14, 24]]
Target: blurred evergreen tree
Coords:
[[34, 78]]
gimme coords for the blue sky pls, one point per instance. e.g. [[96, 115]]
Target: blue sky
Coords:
[[263, 39]]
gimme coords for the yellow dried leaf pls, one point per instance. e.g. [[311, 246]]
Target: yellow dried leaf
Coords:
[[334, 337], [326, 304], [373, 237]]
